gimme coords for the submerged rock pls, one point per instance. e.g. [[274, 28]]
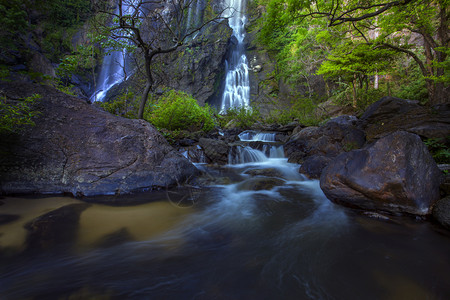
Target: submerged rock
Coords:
[[8, 218], [79, 149], [266, 172], [397, 174], [55, 228]]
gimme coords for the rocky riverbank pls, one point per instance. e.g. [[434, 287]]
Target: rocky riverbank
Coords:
[[78, 149], [377, 162]]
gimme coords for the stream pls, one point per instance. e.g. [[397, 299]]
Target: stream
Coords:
[[254, 229]]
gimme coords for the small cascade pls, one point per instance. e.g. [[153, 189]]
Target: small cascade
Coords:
[[253, 136], [276, 151], [194, 154], [245, 154], [237, 84]]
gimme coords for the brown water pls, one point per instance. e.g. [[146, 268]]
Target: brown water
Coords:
[[225, 242]]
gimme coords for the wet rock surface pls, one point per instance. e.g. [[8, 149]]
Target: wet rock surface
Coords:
[[441, 212], [79, 149], [215, 150], [314, 165], [337, 136], [390, 114], [396, 174]]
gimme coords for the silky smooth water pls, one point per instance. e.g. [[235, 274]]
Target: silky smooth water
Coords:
[[237, 84], [257, 230], [114, 66]]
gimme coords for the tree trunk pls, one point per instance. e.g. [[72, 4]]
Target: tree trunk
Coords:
[[354, 91], [148, 85], [144, 98]]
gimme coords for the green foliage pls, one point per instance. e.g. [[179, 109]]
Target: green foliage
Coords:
[[351, 59], [243, 117], [176, 110], [61, 20], [126, 105], [14, 116], [14, 22], [67, 13], [304, 38], [79, 61], [439, 150], [302, 110]]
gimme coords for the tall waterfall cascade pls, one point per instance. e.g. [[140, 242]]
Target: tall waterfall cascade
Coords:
[[113, 69], [237, 84]]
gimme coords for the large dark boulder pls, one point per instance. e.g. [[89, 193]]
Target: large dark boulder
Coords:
[[314, 165], [441, 212], [390, 114], [337, 136], [80, 149], [396, 174]]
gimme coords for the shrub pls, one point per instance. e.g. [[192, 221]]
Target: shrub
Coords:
[[125, 105], [244, 117], [439, 150], [176, 110], [15, 115]]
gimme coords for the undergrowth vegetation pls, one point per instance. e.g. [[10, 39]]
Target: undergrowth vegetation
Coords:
[[16, 115], [176, 110]]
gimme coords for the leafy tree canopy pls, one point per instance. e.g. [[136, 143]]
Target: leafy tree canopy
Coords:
[[361, 37]]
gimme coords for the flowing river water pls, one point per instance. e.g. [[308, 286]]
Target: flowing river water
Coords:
[[254, 229]]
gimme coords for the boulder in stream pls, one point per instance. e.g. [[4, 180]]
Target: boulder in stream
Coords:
[[335, 137], [215, 150], [314, 165], [396, 174], [441, 212], [80, 149]]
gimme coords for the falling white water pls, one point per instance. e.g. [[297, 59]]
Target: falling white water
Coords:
[[251, 136], [113, 67], [111, 73], [237, 85], [194, 13]]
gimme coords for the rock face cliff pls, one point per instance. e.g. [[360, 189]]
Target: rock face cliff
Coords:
[[79, 149], [198, 68]]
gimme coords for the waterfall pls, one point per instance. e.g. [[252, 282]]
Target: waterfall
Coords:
[[113, 68], [237, 85], [242, 155], [111, 73], [195, 12]]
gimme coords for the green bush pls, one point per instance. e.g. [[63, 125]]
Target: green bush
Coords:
[[438, 149], [302, 110], [176, 110], [244, 117], [125, 105], [15, 115]]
